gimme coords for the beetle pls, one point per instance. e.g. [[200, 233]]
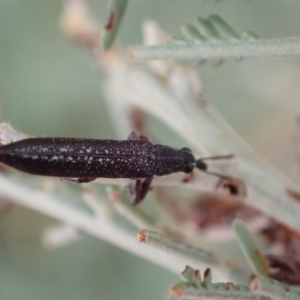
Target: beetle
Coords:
[[87, 159]]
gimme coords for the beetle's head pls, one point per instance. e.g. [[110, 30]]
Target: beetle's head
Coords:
[[201, 165]]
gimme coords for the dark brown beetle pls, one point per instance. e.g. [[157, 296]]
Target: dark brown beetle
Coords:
[[87, 159]]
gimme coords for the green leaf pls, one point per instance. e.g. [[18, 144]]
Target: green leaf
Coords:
[[225, 31], [207, 28], [192, 33], [251, 252]]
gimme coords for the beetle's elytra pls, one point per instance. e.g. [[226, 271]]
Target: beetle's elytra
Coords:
[[67, 157], [87, 159]]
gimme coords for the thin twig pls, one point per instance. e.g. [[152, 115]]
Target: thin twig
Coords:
[[219, 51]]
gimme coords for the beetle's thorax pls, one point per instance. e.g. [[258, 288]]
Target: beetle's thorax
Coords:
[[170, 160]]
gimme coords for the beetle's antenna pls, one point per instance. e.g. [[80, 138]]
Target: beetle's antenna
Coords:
[[218, 157], [201, 165]]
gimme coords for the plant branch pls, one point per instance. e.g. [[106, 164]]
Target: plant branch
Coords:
[[199, 258], [100, 228], [187, 251], [274, 289], [219, 51], [194, 288]]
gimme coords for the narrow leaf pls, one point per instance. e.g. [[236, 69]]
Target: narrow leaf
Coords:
[[251, 252], [192, 33], [226, 31], [116, 12], [207, 28]]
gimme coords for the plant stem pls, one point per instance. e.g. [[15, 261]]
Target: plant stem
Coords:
[[219, 50]]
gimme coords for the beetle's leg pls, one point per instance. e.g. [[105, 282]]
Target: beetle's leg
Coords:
[[142, 186], [133, 136], [140, 190], [79, 180]]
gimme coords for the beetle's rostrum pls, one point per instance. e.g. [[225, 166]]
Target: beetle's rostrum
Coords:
[[87, 159]]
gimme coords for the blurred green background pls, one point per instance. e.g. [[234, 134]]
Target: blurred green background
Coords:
[[50, 87]]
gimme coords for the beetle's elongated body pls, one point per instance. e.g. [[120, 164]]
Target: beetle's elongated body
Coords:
[[86, 158], [83, 160]]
